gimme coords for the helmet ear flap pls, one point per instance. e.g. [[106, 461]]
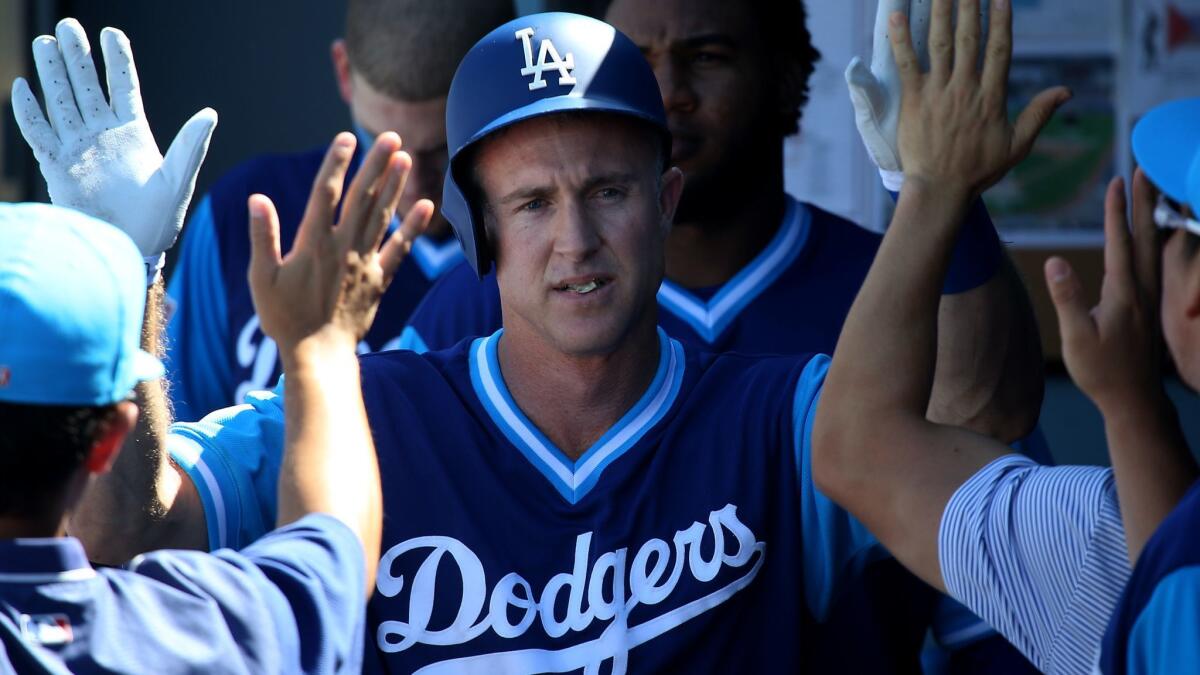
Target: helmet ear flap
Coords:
[[467, 224]]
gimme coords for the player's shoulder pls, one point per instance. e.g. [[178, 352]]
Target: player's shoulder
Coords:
[[411, 369], [833, 229], [267, 174], [754, 374]]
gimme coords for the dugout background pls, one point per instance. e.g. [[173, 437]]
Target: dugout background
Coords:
[[265, 67]]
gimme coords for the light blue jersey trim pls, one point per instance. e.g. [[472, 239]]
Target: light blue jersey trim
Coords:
[[433, 258], [573, 480], [838, 544], [411, 340], [1166, 636], [710, 319]]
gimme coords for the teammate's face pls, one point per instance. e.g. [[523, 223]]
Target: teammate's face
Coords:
[[578, 223], [422, 128], [712, 72]]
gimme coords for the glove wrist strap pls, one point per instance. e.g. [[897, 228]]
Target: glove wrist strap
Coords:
[[154, 265]]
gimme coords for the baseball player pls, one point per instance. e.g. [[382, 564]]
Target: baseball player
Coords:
[[72, 295], [577, 490], [392, 75], [1040, 552], [752, 270]]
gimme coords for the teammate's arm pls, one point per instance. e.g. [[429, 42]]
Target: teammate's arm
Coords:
[[145, 502], [99, 156], [1113, 353], [874, 451], [317, 304], [989, 368]]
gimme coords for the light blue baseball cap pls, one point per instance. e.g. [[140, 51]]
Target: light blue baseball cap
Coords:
[[1166, 143], [72, 296]]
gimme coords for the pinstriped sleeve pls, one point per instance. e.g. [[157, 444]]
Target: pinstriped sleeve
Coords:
[[1039, 553]]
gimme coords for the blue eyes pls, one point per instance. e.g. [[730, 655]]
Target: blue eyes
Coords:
[[604, 194], [534, 205]]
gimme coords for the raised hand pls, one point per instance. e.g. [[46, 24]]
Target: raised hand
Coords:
[[99, 156], [954, 129], [875, 90], [327, 289], [1113, 351]]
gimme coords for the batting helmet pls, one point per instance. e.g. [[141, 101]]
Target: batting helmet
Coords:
[[538, 65]]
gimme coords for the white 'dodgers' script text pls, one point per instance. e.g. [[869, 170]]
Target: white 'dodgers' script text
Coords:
[[607, 592]]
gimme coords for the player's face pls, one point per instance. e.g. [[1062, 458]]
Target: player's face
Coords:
[[578, 223], [712, 71], [422, 128]]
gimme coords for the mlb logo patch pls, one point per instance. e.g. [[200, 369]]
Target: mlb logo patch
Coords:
[[49, 630], [5, 376]]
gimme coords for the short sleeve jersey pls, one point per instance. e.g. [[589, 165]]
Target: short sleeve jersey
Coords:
[[688, 538], [291, 602], [218, 352], [1157, 624], [1039, 553]]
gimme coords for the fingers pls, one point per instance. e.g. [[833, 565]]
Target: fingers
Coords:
[[941, 40], [326, 190], [34, 127], [1034, 118], [394, 177], [400, 243], [187, 151], [77, 56], [1146, 251], [1118, 245], [907, 65], [1075, 322], [124, 93], [882, 62], [365, 190], [56, 88], [998, 54], [265, 256], [966, 45]]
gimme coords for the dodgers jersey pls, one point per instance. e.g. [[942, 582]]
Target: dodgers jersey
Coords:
[[1156, 626], [792, 297], [218, 351], [688, 538], [291, 602]]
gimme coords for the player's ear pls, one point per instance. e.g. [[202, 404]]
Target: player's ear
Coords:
[[341, 68], [670, 190], [110, 436]]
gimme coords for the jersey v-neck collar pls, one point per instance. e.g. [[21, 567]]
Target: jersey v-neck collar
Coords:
[[709, 318], [574, 479], [433, 258]]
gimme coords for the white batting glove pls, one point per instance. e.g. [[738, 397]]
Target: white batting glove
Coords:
[[99, 156], [875, 91]]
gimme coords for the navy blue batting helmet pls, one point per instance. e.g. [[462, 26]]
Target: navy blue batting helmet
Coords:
[[538, 65]]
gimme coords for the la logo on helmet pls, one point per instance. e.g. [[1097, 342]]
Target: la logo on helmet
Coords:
[[555, 62]]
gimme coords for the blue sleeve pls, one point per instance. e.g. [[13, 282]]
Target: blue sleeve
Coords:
[[295, 599], [836, 545], [233, 457], [1039, 553], [198, 365], [1166, 636]]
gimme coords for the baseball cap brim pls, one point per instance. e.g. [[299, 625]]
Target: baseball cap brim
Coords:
[[1166, 144]]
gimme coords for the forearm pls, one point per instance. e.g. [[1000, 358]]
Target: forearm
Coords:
[[132, 508], [1151, 461], [329, 464], [989, 375]]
